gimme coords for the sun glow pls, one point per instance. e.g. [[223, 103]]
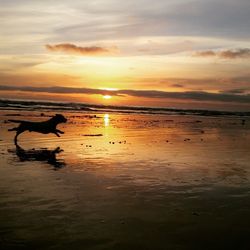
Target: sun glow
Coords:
[[110, 89], [107, 97]]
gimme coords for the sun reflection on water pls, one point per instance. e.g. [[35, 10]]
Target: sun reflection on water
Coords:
[[106, 120]]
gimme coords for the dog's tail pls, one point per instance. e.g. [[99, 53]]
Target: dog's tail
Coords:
[[12, 129], [16, 121]]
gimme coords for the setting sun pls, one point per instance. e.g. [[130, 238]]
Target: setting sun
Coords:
[[107, 97]]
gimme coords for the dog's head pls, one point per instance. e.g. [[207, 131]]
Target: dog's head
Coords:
[[60, 118]]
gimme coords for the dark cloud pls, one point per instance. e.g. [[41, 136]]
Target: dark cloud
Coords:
[[188, 95], [205, 53], [225, 54], [235, 91], [56, 90], [198, 84], [73, 49], [177, 85], [239, 53]]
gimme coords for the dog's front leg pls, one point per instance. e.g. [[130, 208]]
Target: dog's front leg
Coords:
[[56, 134], [59, 131]]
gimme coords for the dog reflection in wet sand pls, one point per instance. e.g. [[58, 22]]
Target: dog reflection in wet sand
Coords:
[[45, 127], [42, 155]]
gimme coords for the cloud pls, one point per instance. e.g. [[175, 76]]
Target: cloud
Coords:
[[55, 89], [236, 91], [177, 85], [240, 53], [213, 18], [218, 83], [205, 53], [187, 95], [225, 54], [73, 49]]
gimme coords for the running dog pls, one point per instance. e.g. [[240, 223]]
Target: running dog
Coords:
[[45, 127]]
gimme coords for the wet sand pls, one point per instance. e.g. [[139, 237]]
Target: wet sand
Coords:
[[126, 181]]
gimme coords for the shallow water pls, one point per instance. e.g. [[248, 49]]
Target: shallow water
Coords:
[[126, 182]]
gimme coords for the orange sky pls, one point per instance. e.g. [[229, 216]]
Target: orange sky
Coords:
[[195, 53]]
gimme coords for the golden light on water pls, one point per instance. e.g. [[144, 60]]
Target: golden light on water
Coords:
[[106, 120]]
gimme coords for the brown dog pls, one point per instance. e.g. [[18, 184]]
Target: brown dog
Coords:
[[45, 127]]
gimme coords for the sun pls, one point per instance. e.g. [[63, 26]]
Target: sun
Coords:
[[106, 97]]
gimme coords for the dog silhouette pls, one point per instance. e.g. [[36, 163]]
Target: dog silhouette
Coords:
[[44, 127]]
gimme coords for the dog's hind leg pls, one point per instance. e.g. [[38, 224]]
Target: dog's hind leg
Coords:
[[17, 134]]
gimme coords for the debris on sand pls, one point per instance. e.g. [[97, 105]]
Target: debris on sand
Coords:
[[195, 214], [12, 115], [120, 142], [187, 139]]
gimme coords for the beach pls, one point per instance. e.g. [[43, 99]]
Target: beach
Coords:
[[125, 181]]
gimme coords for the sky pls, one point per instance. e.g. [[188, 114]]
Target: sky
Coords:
[[162, 53]]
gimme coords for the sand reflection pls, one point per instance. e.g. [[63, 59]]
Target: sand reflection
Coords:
[[41, 155], [185, 177]]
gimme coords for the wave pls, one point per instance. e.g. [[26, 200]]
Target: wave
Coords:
[[83, 107]]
